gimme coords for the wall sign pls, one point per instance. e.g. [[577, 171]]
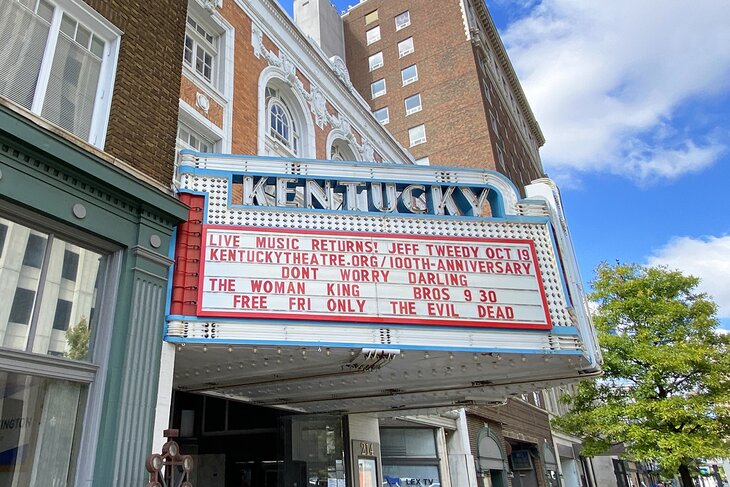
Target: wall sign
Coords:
[[364, 277]]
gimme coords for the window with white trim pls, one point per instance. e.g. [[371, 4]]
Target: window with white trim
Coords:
[[494, 124], [281, 125], [58, 61], [201, 50], [381, 115], [373, 35], [375, 61], [402, 20], [405, 47], [423, 161], [189, 138], [377, 88], [409, 75], [413, 104], [417, 135]]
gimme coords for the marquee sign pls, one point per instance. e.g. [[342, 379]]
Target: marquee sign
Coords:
[[258, 272]]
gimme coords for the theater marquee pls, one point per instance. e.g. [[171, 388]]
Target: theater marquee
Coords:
[[369, 277]]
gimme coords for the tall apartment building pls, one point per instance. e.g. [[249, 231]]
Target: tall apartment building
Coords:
[[88, 114], [437, 75]]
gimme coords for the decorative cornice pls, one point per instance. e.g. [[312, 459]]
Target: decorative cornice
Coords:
[[315, 96], [284, 26]]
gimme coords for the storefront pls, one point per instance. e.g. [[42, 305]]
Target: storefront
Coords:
[[348, 289], [83, 271]]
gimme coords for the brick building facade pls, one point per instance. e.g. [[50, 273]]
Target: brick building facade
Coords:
[[472, 109]]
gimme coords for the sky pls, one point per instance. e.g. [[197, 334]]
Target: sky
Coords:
[[634, 101]]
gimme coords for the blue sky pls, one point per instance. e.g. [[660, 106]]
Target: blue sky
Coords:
[[634, 101]]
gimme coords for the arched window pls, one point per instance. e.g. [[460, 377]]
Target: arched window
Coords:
[[341, 150], [282, 127]]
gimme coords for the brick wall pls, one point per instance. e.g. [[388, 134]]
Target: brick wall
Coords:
[[143, 118], [455, 108]]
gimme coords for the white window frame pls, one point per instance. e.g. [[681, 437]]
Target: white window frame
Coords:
[[398, 26], [372, 35], [218, 79], [385, 120], [412, 79], [416, 141], [374, 94], [405, 52], [411, 111], [202, 127], [377, 64], [110, 34], [423, 161]]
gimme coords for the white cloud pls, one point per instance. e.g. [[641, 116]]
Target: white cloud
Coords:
[[606, 79], [707, 258]]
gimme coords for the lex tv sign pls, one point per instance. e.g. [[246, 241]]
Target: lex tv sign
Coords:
[[438, 248]]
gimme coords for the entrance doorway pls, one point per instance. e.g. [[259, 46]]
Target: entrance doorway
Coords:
[[235, 444]]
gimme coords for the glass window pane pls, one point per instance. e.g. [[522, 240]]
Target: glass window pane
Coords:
[[413, 104], [409, 74], [375, 61], [22, 306], [70, 265], [68, 26], [34, 251], [45, 416], [403, 20], [373, 35], [21, 31], [64, 326], [377, 88], [3, 232], [382, 115], [83, 36], [405, 47], [97, 46], [72, 87], [45, 10]]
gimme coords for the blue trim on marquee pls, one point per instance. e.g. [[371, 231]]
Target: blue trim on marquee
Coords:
[[209, 341], [559, 262]]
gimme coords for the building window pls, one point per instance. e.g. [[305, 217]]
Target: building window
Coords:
[[381, 115], [402, 20], [57, 64], [405, 47], [22, 306], [371, 17], [423, 161], [410, 453], [60, 293], [62, 316], [35, 249], [201, 50], [377, 88], [70, 265], [373, 35], [3, 233], [282, 128], [375, 61], [188, 138], [413, 104], [417, 135], [409, 75], [494, 124]]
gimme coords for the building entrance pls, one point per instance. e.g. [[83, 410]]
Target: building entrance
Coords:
[[235, 444]]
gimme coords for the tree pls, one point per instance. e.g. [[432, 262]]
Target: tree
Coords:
[[77, 338], [665, 392]]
